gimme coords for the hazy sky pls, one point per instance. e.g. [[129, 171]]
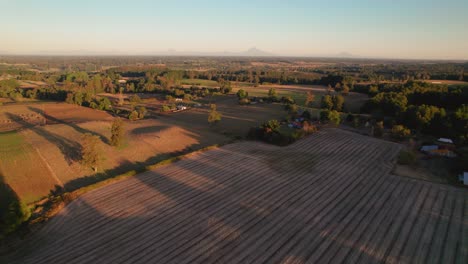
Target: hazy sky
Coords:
[[369, 28]]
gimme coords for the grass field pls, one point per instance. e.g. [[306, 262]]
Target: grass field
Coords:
[[236, 119], [329, 198], [24, 169], [353, 101], [200, 82]]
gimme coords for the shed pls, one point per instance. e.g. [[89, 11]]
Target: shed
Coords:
[[445, 140], [463, 178], [428, 148]]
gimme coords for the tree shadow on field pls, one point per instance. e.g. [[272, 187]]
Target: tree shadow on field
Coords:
[[148, 130], [205, 217], [217, 208], [72, 125], [12, 216], [128, 167], [70, 149]]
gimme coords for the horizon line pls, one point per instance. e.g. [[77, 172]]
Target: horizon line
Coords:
[[234, 55]]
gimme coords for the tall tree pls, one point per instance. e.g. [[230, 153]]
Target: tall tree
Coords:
[[242, 94], [117, 132], [214, 116], [327, 102], [91, 151], [338, 102], [310, 98], [272, 92]]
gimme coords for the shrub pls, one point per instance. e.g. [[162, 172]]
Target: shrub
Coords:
[[338, 102], [287, 100], [271, 125], [165, 108], [242, 94], [135, 99], [187, 97], [93, 105], [400, 132], [291, 108], [169, 98], [326, 102], [133, 115], [330, 116], [141, 111], [105, 104], [214, 116], [272, 92], [308, 127]]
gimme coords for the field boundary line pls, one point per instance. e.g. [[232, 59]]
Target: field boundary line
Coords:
[[48, 167]]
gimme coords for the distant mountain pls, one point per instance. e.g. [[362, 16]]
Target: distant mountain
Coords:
[[254, 52]]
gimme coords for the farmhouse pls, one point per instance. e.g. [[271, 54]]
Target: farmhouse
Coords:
[[444, 147], [181, 107], [445, 143]]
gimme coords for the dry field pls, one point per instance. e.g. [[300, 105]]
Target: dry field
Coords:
[[448, 82], [236, 119], [42, 156], [327, 198], [31, 84], [17, 116]]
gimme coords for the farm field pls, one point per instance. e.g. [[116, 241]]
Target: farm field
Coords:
[[24, 168], [353, 101], [200, 82], [37, 157], [236, 119], [448, 82], [327, 198]]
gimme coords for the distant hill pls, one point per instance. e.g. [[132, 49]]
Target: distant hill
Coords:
[[254, 52]]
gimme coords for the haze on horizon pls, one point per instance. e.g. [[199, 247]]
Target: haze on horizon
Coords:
[[412, 29]]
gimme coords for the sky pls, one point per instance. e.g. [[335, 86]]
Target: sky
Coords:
[[417, 29]]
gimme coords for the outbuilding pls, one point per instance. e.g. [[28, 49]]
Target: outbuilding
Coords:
[[429, 148], [445, 140], [463, 178]]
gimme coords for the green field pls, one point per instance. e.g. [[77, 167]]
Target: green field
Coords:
[[200, 82], [23, 169], [299, 97]]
